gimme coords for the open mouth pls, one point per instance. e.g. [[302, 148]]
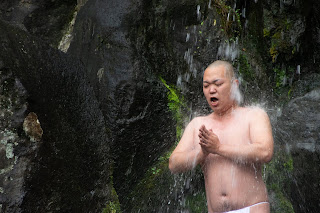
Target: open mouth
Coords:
[[213, 99]]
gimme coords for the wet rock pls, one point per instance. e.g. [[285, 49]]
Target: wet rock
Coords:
[[302, 122], [16, 151], [70, 169], [129, 91], [45, 19], [306, 84], [298, 129]]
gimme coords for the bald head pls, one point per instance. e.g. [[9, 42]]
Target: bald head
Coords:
[[223, 69], [229, 71]]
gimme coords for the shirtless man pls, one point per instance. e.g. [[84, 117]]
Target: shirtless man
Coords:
[[230, 144]]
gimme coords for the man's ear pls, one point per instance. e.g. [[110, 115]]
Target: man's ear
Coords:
[[236, 81]]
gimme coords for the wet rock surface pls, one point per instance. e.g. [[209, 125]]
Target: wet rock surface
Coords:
[[129, 91], [45, 19], [16, 150], [71, 168], [299, 130]]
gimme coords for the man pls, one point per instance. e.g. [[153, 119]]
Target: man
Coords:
[[230, 144]]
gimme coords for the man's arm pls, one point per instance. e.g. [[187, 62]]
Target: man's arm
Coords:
[[186, 155], [260, 150]]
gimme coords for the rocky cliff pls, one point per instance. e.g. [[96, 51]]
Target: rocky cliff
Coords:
[[92, 128]]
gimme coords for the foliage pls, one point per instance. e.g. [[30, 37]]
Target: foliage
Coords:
[[230, 18], [176, 105]]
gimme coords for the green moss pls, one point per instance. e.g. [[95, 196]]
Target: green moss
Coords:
[[278, 176], [283, 204], [281, 86], [288, 165], [266, 32], [156, 183], [245, 69], [280, 75], [112, 207], [113, 204]]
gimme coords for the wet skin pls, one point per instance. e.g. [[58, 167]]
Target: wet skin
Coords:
[[230, 144]]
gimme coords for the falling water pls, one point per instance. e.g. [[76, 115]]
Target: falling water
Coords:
[[229, 50]]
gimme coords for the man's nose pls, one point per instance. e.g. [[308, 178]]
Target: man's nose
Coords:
[[212, 89]]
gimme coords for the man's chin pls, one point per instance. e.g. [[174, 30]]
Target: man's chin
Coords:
[[215, 108]]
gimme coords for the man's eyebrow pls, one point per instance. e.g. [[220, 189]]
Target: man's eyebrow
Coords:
[[214, 81]]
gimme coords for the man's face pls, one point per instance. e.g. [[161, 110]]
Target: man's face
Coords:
[[217, 88]]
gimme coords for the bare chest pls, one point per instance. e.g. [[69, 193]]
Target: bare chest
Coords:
[[234, 131]]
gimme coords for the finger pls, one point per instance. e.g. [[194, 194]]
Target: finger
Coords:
[[203, 128], [203, 144], [206, 133], [202, 134], [204, 141]]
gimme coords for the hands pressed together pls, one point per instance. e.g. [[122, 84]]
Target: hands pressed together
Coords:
[[209, 141]]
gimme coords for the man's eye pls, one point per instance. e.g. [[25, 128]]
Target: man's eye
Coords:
[[219, 84], [205, 86]]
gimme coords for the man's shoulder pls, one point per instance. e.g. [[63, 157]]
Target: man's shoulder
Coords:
[[253, 110], [256, 113]]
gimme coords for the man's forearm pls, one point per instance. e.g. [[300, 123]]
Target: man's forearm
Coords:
[[184, 161]]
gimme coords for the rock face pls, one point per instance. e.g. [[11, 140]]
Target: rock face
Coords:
[[16, 150], [106, 108], [298, 128], [72, 158], [45, 19], [131, 95]]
